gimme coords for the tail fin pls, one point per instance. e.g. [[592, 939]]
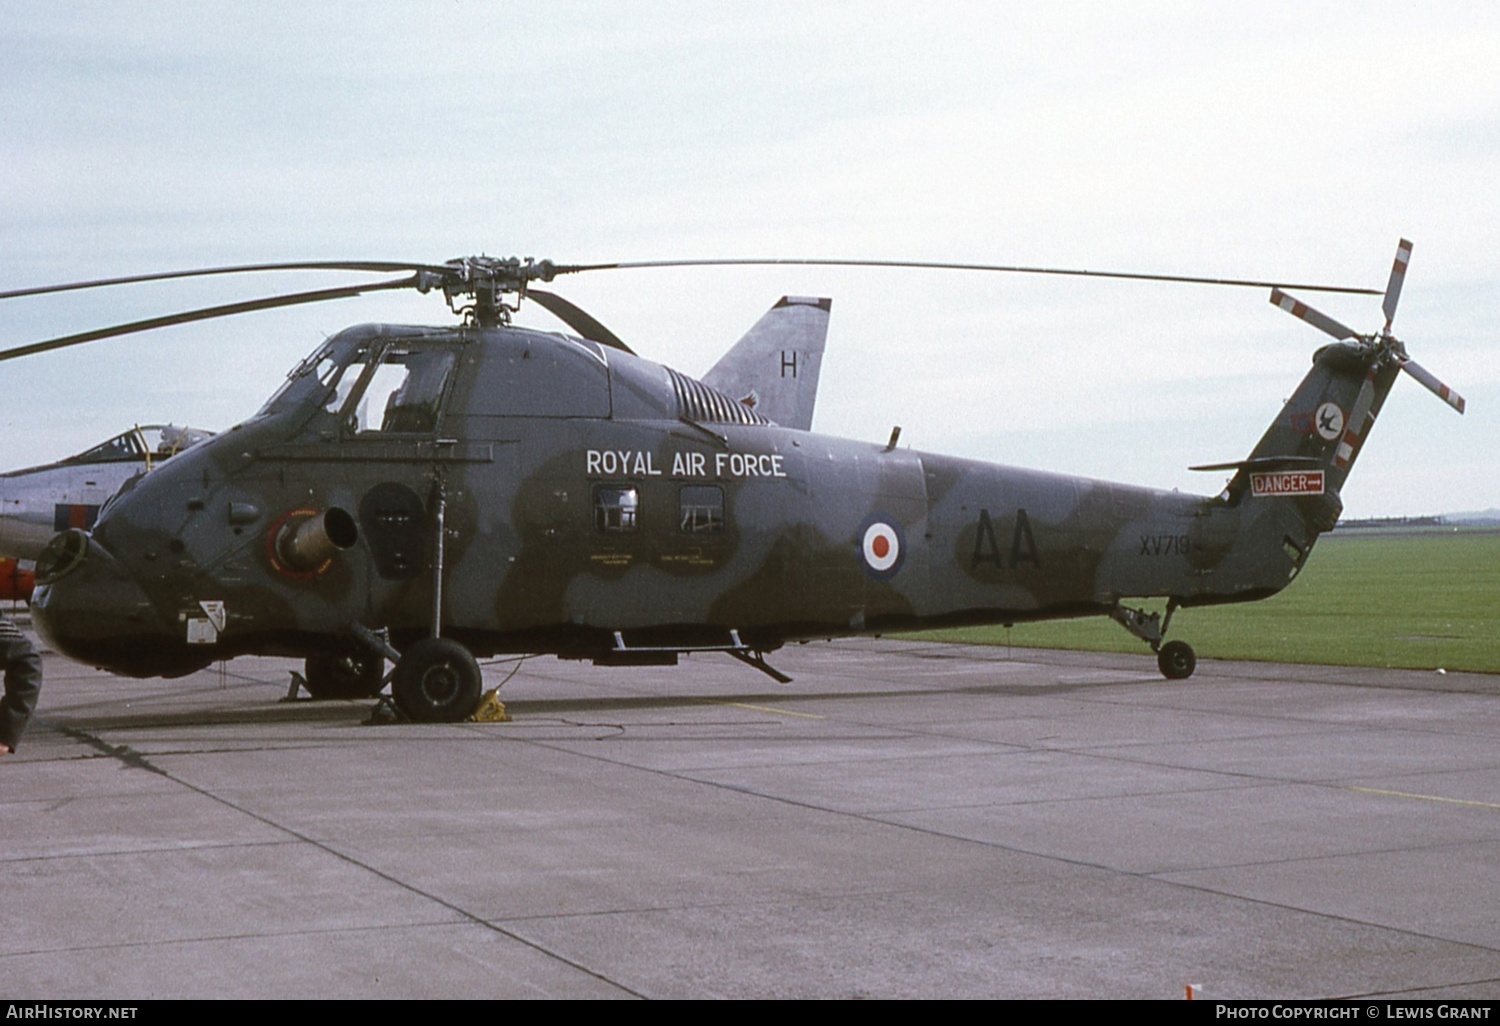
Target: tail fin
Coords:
[[1329, 416], [774, 368], [1309, 448], [1287, 491]]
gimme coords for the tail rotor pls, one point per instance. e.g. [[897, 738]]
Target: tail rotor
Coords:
[[1383, 346]]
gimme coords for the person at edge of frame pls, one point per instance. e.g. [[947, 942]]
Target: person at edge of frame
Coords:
[[23, 682]]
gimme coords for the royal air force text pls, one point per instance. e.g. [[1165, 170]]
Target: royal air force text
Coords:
[[633, 463]]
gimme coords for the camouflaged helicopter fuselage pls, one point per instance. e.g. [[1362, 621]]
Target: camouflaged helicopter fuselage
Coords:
[[591, 500]]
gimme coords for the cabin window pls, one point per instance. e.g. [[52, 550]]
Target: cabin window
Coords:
[[615, 509], [701, 509]]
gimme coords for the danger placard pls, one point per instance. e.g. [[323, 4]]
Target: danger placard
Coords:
[[1290, 482]]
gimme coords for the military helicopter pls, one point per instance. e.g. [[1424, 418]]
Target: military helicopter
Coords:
[[426, 495]]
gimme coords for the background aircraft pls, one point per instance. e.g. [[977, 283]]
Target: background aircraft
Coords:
[[38, 502]]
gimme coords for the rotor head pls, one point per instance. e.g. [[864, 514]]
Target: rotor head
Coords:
[[486, 281]]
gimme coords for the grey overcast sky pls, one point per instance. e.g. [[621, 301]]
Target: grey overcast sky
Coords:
[[1294, 142]]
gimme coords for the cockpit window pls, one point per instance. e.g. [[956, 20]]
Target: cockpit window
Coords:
[[340, 379], [404, 392], [321, 361], [121, 447], [374, 386], [148, 443]]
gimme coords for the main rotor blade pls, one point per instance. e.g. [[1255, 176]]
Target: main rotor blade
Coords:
[[204, 314], [1393, 287], [928, 265], [376, 266], [1321, 321], [1433, 385], [577, 319]]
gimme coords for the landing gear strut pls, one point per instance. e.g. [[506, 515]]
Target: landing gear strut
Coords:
[[436, 680], [344, 675], [1175, 659]]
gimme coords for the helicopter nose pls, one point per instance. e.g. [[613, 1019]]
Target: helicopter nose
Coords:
[[88, 607]]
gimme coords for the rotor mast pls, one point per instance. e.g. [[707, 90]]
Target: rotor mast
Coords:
[[486, 281]]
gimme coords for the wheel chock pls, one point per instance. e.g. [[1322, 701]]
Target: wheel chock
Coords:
[[490, 709]]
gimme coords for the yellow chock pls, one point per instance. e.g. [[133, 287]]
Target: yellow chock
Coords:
[[491, 709]]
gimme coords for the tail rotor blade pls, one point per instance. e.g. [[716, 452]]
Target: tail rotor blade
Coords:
[[1354, 425], [1433, 385], [1321, 321], [1393, 287]]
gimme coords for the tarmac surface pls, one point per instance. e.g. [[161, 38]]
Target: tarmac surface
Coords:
[[904, 820]]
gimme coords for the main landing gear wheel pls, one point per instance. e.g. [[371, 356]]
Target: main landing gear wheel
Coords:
[[342, 675], [436, 681], [1176, 660]]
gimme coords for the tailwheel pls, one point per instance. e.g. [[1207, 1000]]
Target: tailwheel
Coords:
[[1176, 660], [436, 681]]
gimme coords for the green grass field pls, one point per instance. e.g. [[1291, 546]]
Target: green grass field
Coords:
[[1414, 600]]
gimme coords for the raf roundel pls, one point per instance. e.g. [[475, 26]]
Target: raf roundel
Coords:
[[881, 547]]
